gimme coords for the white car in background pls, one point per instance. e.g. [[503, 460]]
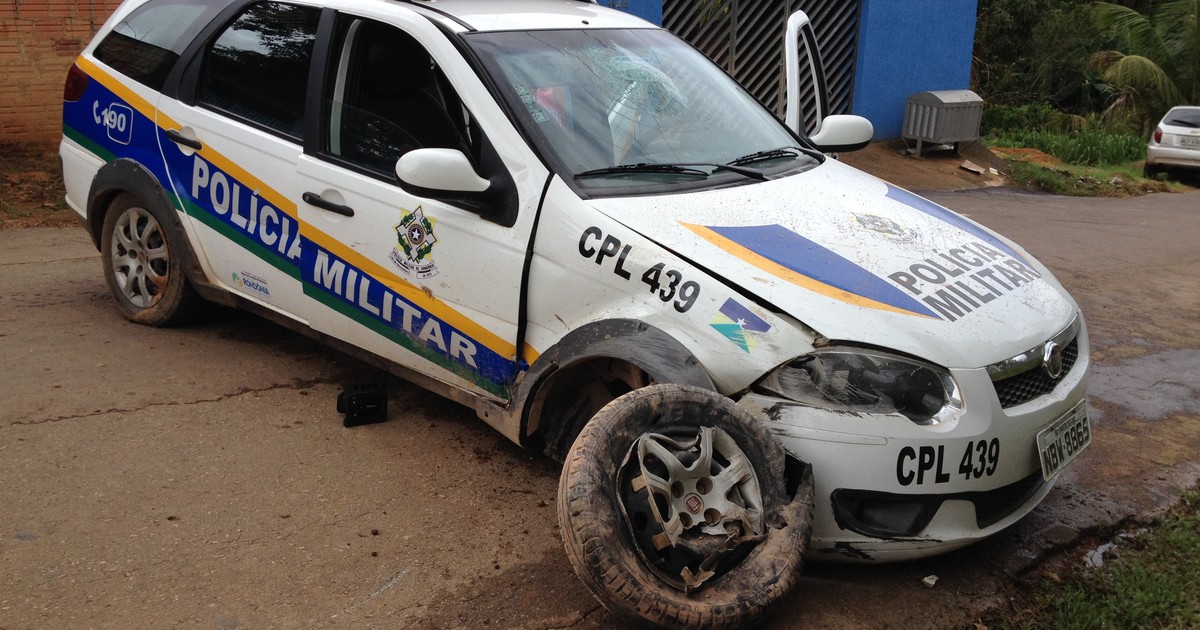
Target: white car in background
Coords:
[[573, 222], [1175, 143]]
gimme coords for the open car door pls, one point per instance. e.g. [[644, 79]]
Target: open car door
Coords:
[[807, 110]]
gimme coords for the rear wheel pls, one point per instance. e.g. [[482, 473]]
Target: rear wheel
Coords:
[[674, 509], [142, 265]]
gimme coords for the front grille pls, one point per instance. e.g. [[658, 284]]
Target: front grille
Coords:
[[1026, 386]]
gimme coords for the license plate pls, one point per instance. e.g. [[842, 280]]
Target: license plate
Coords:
[[1062, 441], [1190, 141]]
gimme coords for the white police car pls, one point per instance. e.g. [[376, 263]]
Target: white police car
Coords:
[[573, 222]]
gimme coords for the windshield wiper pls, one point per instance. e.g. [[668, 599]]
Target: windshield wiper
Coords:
[[769, 154], [688, 168], [732, 167], [781, 152], [1182, 123], [676, 169]]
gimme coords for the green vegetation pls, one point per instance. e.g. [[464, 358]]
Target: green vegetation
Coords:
[[1084, 82], [1154, 63], [1088, 147], [1122, 180], [1126, 61], [1148, 580], [1072, 139], [1038, 51], [1073, 155]]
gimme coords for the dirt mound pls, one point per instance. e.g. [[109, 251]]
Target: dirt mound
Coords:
[[1027, 155], [936, 169]]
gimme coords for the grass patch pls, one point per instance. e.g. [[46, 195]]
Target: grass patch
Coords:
[[1087, 147], [1085, 141], [1149, 580], [1071, 155], [1034, 168], [1123, 180]]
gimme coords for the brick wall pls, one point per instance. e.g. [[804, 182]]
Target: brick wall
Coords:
[[39, 40]]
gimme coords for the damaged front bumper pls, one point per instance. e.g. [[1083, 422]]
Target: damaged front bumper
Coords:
[[888, 489]]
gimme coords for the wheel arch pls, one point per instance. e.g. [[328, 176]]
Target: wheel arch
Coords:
[[122, 176], [593, 365]]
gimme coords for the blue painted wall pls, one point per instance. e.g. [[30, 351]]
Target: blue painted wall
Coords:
[[649, 10], [907, 46]]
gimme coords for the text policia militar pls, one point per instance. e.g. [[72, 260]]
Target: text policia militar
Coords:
[[964, 278]]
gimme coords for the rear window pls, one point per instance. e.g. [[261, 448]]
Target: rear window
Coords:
[[147, 43], [1184, 117]]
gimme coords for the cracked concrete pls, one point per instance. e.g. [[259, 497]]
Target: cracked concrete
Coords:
[[201, 476], [242, 391]]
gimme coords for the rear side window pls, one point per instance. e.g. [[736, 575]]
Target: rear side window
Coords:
[[257, 69], [147, 43]]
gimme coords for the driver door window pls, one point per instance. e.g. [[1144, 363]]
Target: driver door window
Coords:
[[388, 98]]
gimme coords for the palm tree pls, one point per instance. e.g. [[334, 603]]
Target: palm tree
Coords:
[[1155, 62]]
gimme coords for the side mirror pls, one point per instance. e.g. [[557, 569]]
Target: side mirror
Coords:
[[840, 133], [441, 174]]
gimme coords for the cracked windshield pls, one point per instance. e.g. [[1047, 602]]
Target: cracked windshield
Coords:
[[616, 109]]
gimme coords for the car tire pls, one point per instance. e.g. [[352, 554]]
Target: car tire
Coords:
[[1150, 172], [142, 266], [603, 519]]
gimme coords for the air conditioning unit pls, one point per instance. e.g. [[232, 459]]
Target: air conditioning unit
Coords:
[[943, 117]]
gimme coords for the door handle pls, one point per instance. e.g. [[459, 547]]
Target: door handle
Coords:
[[316, 200], [179, 138]]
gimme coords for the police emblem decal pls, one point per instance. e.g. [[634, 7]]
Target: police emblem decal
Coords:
[[885, 227], [415, 241]]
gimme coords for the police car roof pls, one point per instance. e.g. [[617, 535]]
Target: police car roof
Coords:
[[523, 15]]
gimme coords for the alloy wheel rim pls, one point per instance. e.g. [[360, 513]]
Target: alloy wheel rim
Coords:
[[140, 259]]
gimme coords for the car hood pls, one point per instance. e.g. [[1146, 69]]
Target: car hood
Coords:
[[859, 260]]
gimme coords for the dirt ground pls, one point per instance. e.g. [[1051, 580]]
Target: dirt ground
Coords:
[[200, 477], [31, 189], [943, 169]]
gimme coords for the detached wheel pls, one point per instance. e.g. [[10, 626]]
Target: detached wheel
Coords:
[[675, 509], [142, 265]]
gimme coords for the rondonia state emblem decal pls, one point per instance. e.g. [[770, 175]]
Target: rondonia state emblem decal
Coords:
[[415, 239]]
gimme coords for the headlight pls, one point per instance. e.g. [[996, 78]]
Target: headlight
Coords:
[[869, 382]]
